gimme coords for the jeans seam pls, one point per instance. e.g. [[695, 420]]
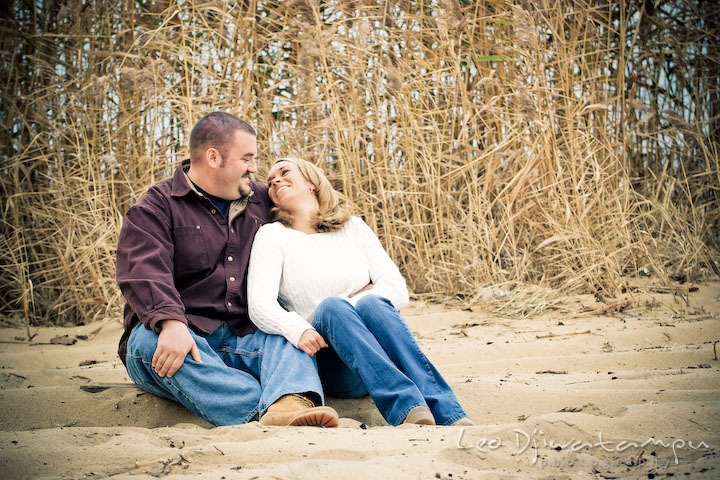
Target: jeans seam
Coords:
[[438, 390], [428, 370], [333, 344], [257, 354], [241, 353]]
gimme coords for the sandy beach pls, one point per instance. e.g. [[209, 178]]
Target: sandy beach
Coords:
[[623, 389]]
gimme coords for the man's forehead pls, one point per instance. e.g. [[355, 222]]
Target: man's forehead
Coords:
[[245, 140]]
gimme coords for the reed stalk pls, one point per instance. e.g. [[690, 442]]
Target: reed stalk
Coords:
[[505, 152]]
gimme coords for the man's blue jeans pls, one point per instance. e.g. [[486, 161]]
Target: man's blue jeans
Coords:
[[380, 353], [238, 379]]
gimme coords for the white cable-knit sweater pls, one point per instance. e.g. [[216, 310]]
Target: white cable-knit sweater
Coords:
[[291, 272]]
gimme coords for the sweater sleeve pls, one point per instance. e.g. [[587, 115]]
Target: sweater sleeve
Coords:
[[264, 273], [384, 274]]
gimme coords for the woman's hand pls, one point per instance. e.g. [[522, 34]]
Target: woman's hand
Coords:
[[366, 287], [311, 342]]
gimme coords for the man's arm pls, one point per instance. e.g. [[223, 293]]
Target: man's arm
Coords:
[[145, 274]]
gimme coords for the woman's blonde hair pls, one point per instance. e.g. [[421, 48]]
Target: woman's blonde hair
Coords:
[[332, 214]]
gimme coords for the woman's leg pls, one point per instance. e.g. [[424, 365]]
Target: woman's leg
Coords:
[[396, 339], [338, 380], [394, 393]]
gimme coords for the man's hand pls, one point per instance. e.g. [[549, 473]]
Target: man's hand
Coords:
[[311, 341], [174, 343], [366, 287]]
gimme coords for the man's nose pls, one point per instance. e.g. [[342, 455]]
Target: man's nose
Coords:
[[252, 166]]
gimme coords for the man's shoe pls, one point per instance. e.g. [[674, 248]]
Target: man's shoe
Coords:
[[298, 410], [420, 416], [463, 422]]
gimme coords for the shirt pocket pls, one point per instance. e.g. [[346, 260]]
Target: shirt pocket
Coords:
[[191, 253]]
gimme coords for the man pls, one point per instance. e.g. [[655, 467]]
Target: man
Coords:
[[182, 260]]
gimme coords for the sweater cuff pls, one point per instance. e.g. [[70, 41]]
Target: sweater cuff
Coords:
[[296, 329]]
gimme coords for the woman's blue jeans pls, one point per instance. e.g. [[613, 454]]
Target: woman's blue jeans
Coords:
[[238, 379], [372, 347]]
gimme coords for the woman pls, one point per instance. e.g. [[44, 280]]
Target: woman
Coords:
[[321, 279]]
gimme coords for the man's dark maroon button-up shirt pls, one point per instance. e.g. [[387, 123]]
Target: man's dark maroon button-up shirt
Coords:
[[179, 258]]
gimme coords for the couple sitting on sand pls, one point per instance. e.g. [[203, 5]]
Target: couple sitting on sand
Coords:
[[238, 318]]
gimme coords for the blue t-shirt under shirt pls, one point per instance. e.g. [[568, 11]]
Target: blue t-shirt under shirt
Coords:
[[220, 203]]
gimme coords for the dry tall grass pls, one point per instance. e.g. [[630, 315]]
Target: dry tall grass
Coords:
[[504, 151]]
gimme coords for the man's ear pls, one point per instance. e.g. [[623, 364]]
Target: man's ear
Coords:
[[212, 155]]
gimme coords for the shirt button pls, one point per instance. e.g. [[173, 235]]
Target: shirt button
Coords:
[[229, 304], [230, 258], [212, 211], [197, 227], [232, 279]]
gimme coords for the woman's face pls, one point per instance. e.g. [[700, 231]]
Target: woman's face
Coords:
[[287, 185]]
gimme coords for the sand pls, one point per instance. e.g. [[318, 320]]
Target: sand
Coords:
[[588, 390]]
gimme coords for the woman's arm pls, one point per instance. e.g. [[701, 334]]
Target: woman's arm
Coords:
[[264, 273], [384, 274]]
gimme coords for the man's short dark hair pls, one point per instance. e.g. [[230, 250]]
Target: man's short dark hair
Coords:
[[216, 130]]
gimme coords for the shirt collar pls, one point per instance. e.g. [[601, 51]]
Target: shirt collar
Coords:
[[183, 186]]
